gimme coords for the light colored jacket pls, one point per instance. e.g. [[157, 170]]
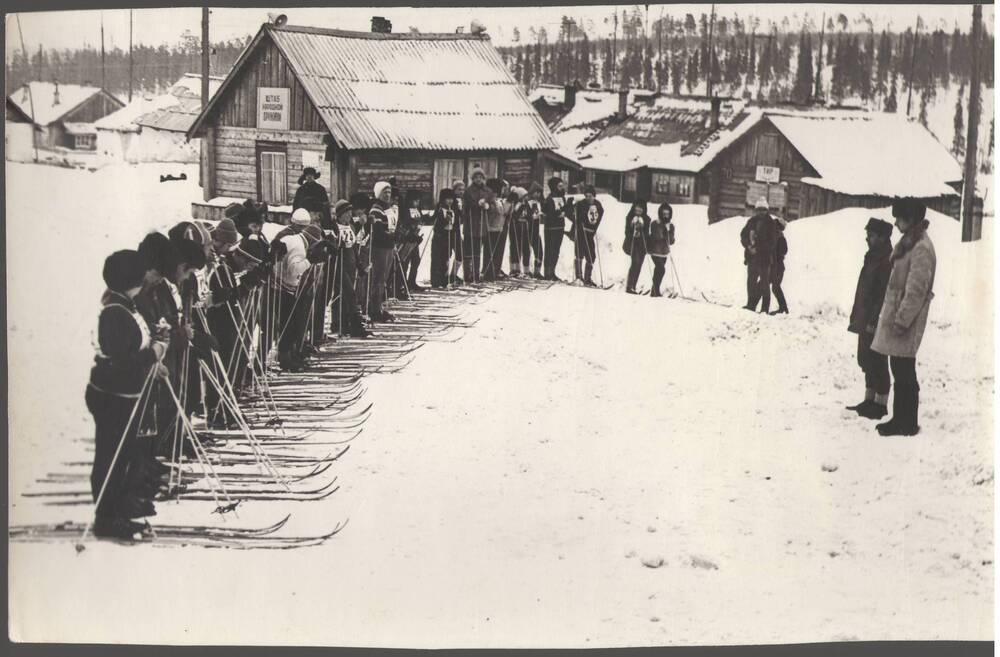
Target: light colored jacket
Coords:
[[295, 263], [907, 298]]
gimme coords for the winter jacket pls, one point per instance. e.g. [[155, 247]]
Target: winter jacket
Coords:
[[870, 293], [908, 295], [125, 353], [408, 229], [759, 238], [383, 220], [554, 210], [473, 216], [636, 236], [312, 196], [295, 263], [445, 222], [587, 216], [661, 237], [495, 216]]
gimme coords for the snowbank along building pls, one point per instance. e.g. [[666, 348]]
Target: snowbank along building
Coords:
[[360, 107], [64, 113]]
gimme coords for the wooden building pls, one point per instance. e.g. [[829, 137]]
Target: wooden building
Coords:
[[64, 113], [362, 107]]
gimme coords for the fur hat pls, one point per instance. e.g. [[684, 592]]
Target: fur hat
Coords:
[[445, 194], [225, 232], [360, 201], [234, 210], [477, 169], [554, 182], [520, 191], [411, 195], [457, 183], [879, 227], [664, 206], [380, 187], [301, 217], [155, 251], [308, 171], [341, 206], [312, 233], [910, 209], [124, 270], [189, 252]]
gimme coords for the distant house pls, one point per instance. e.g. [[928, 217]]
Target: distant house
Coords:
[[155, 129], [18, 133], [365, 106], [65, 113]]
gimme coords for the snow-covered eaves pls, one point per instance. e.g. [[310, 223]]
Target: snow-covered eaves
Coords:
[[173, 111], [407, 91], [76, 128], [38, 100], [870, 153]]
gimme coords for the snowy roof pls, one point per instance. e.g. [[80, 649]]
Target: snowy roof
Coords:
[[42, 99], [79, 128], [870, 153], [174, 111], [405, 90]]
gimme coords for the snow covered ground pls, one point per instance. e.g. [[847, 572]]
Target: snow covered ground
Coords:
[[582, 469]]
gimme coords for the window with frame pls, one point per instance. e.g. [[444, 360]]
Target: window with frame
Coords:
[[631, 178], [446, 172], [86, 142], [272, 172]]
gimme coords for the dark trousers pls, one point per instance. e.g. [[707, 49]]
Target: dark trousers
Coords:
[[873, 364], [321, 299], [362, 283], [411, 265], [759, 284], [493, 248], [472, 248], [906, 391], [383, 260], [553, 244], [584, 253], [659, 269], [535, 239], [224, 331], [520, 256], [635, 268], [111, 414], [294, 320], [440, 252], [344, 310], [778, 275]]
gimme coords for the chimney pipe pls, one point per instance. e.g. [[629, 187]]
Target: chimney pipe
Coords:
[[716, 105], [380, 25], [55, 94], [569, 99], [622, 104]]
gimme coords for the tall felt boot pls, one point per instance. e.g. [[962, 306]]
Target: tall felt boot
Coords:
[[577, 269], [869, 397], [902, 401], [588, 275]]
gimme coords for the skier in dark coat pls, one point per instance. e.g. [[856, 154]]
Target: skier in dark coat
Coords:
[[345, 310], [586, 217], [636, 241], [442, 243], [868, 296], [408, 238], [382, 220], [119, 386], [473, 221], [458, 187], [759, 239], [554, 211], [536, 255], [313, 197], [661, 238], [778, 270], [520, 215]]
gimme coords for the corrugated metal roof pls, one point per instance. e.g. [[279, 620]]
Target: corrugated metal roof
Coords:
[[417, 91]]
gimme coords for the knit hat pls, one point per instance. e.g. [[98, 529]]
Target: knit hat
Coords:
[[444, 194], [360, 201], [761, 204], [879, 227], [313, 233], [910, 209], [380, 187], [308, 171], [477, 169], [124, 270], [188, 230], [155, 251], [520, 191], [301, 217], [187, 252], [341, 206], [554, 182], [225, 232], [457, 183], [589, 189]]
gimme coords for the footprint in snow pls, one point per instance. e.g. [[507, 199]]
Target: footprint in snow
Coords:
[[704, 564]]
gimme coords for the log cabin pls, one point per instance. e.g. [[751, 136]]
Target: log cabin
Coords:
[[362, 107]]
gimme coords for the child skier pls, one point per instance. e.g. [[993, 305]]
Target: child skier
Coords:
[[661, 238]]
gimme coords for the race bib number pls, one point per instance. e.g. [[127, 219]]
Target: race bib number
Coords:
[[347, 236], [558, 202], [592, 214]]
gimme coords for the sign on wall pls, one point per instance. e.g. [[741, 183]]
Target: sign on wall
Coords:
[[272, 108], [767, 174], [776, 195]]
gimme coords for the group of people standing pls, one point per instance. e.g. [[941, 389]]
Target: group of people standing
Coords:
[[764, 251]]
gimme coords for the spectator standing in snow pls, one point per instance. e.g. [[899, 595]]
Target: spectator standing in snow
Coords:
[[903, 317], [537, 252], [443, 239], [313, 198], [778, 270], [554, 212], [587, 216], [382, 219], [473, 219], [636, 241], [868, 298], [661, 238], [404, 272], [759, 240]]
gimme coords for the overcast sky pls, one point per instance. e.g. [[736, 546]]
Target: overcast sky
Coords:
[[74, 29]]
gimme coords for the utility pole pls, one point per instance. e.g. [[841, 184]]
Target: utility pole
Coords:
[[130, 55], [913, 60], [659, 45], [972, 227], [614, 50], [204, 56], [27, 85], [819, 60], [711, 50], [104, 80]]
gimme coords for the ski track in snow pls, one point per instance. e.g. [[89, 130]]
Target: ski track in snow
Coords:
[[584, 468]]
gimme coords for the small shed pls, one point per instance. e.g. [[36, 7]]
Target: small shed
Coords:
[[52, 106], [364, 106]]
